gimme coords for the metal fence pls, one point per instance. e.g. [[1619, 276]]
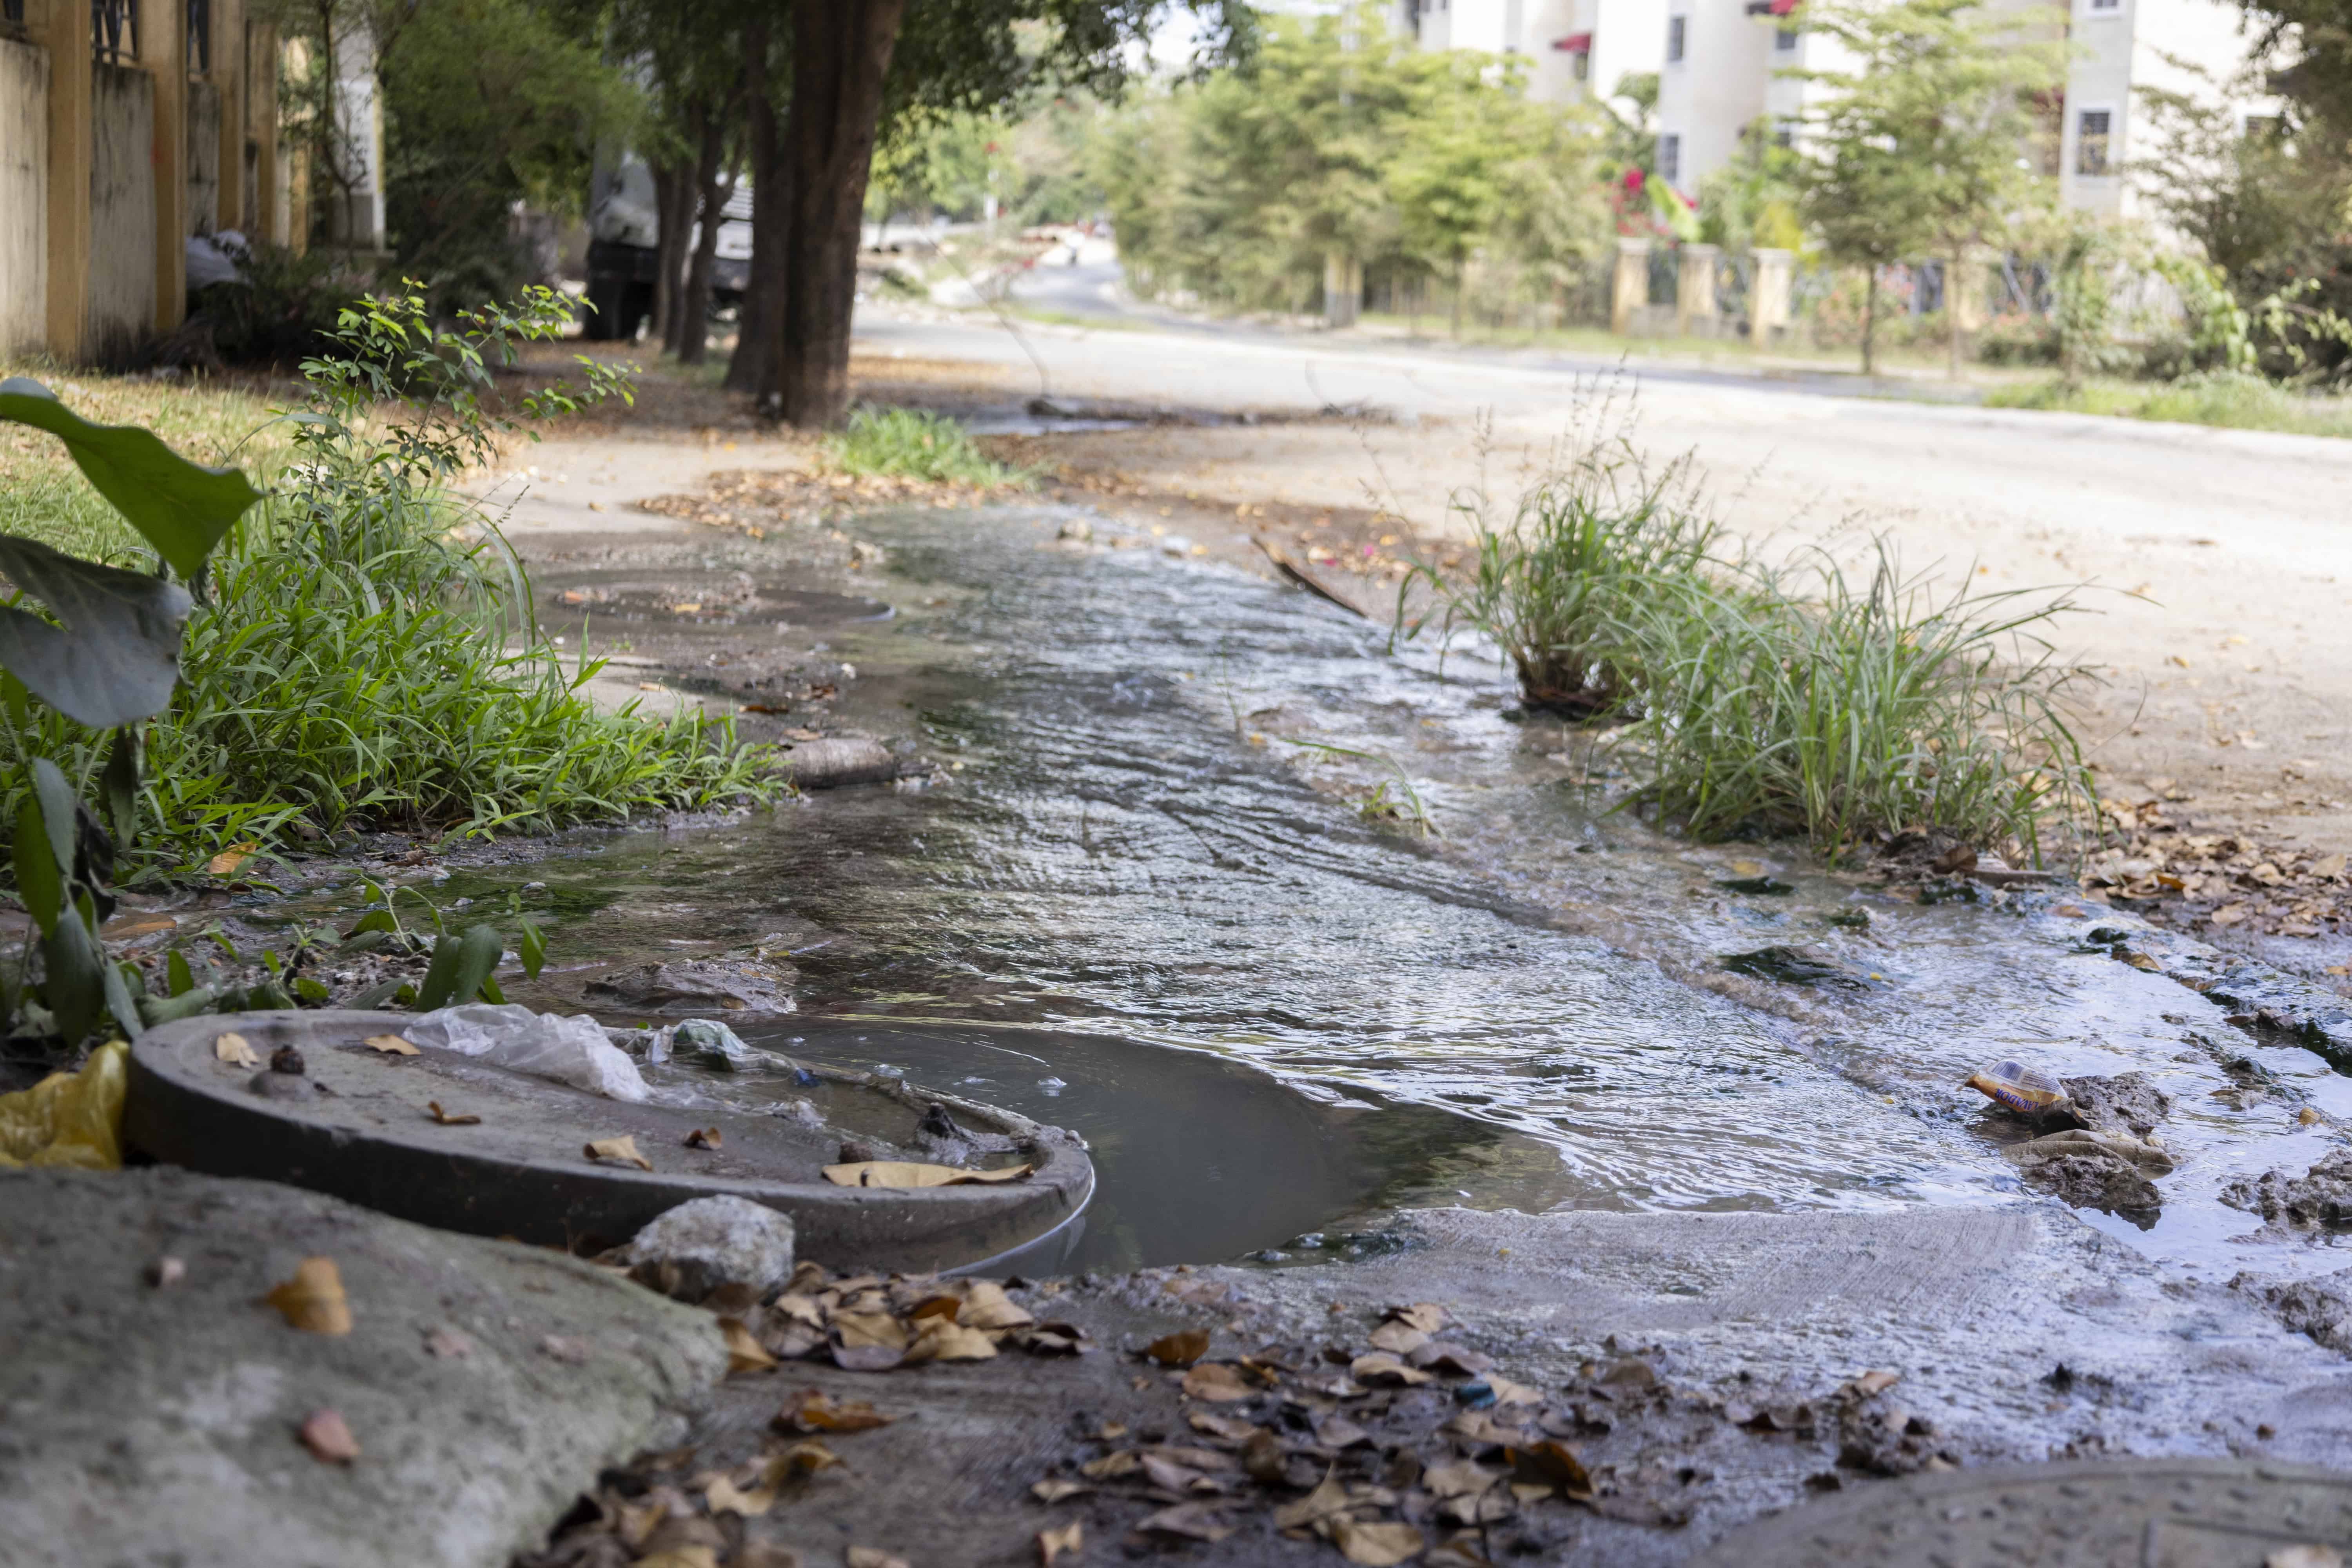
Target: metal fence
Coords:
[[200, 37], [114, 30]]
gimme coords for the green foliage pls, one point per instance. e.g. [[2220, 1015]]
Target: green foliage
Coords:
[[942, 161], [2230, 400], [1753, 200], [912, 442], [2219, 333], [1790, 700], [1343, 139], [1917, 141], [281, 309]]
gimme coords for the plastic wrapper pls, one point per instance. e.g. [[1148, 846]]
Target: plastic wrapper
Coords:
[[73, 1119], [2028, 1090], [570, 1050]]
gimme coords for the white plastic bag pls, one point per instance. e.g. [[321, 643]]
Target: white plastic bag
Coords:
[[570, 1050]]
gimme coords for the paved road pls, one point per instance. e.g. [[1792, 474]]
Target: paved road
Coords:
[[2237, 542]]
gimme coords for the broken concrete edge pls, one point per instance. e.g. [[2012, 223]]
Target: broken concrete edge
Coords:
[[2256, 992], [156, 1406]]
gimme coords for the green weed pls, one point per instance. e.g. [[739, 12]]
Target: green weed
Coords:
[[2230, 400], [1393, 799], [911, 443]]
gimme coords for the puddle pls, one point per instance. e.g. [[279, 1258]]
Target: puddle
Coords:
[[1136, 872]]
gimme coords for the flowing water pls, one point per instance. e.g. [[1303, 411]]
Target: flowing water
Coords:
[[1143, 902]]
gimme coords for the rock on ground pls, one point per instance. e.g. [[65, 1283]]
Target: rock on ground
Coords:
[[2321, 1195], [2320, 1308], [2126, 1102], [712, 1245], [157, 1424]]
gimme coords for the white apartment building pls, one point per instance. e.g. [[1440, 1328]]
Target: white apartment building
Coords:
[[1575, 49], [1723, 60]]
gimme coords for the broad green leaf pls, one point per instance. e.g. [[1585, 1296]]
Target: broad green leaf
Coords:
[[120, 1003], [75, 982], [532, 948], [40, 883], [460, 969], [177, 975], [118, 787], [180, 508], [117, 657], [374, 919], [58, 810]]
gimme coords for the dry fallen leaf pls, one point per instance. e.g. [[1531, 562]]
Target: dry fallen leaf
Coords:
[[1217, 1383], [329, 1439], [622, 1151], [1426, 1316], [443, 1118], [390, 1044], [704, 1138], [226, 863], [860, 1328], [986, 1306], [569, 1349], [1055, 1490], [1553, 1463], [723, 1496], [1179, 1348], [1189, 1521], [1382, 1368], [1230, 1427], [1327, 1499], [1110, 1467], [874, 1557], [744, 1352], [314, 1298], [1375, 1546], [942, 1338], [234, 1051], [1871, 1383], [813, 1410], [802, 1458], [910, 1173], [450, 1344], [1397, 1339], [1066, 1542], [1509, 1393]]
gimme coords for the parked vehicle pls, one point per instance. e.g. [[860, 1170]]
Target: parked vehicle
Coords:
[[624, 240]]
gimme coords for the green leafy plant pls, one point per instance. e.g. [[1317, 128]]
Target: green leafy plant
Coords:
[[911, 443], [464, 963], [1393, 799]]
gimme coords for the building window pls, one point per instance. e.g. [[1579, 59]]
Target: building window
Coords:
[[1580, 66], [2108, 5], [2091, 140], [114, 30], [1670, 158], [1675, 26], [13, 12], [1784, 39], [200, 37]]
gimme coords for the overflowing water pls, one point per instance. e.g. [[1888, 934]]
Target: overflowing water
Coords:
[[1143, 901]]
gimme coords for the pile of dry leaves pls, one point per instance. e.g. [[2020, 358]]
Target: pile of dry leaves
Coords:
[[2178, 877], [751, 501]]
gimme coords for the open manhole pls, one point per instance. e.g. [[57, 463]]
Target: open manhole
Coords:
[[2147, 1514], [364, 1129]]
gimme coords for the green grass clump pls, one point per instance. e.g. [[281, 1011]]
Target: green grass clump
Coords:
[[913, 444], [2229, 400], [1793, 699]]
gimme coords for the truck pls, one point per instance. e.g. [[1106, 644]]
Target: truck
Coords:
[[623, 241]]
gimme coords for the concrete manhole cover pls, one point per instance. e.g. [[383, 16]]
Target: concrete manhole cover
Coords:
[[2132, 1513], [365, 1131]]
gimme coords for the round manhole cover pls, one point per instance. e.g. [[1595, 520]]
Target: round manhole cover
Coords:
[[2131, 1513]]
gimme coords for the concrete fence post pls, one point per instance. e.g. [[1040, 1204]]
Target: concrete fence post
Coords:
[[1770, 305], [63, 28], [1343, 289], [1629, 287], [1695, 290]]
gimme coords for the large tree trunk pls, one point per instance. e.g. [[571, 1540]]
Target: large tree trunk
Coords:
[[757, 360], [841, 54], [672, 186], [690, 336]]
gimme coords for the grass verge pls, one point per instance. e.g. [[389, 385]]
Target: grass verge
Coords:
[[2229, 401], [1794, 700], [364, 657], [913, 444]]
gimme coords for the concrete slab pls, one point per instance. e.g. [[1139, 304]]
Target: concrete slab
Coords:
[[143, 1424]]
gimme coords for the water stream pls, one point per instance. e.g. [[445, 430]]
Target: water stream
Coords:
[[1139, 906]]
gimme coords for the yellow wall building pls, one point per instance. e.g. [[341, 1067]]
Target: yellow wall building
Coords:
[[126, 127]]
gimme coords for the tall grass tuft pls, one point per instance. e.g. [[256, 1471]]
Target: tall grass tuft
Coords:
[[1790, 700], [913, 444]]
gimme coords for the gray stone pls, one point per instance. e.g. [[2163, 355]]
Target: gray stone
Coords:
[[2320, 1308], [713, 1244], [2321, 1195], [2126, 1102], [2094, 1181], [485, 1382]]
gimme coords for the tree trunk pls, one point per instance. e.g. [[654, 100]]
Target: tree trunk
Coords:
[[1461, 282], [1952, 310], [690, 334], [760, 324], [671, 184], [841, 54], [1869, 316]]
